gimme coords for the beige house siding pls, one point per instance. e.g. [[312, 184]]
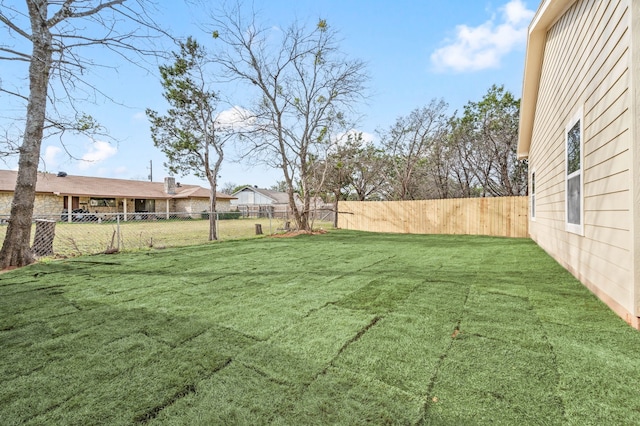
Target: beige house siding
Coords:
[[43, 204], [5, 202], [222, 205], [586, 65], [46, 204], [635, 148]]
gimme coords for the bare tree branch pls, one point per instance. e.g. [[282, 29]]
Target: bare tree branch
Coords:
[[56, 44], [304, 88], [14, 27], [16, 94], [20, 56]]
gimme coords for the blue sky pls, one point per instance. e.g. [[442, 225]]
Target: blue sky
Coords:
[[415, 51]]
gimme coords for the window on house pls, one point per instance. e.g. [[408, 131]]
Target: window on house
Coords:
[[532, 195], [102, 202], [144, 205], [574, 193]]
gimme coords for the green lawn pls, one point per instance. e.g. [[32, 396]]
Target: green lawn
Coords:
[[342, 328], [75, 239]]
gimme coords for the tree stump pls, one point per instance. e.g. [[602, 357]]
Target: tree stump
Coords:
[[258, 229], [43, 240]]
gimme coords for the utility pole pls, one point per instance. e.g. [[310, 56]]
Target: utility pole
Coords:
[[150, 170]]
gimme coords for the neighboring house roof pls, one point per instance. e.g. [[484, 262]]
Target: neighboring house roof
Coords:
[[86, 186], [192, 191], [548, 13], [277, 196]]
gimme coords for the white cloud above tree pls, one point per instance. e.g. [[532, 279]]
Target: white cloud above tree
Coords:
[[484, 46], [97, 152]]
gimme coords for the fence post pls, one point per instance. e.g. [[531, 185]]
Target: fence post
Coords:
[[118, 231], [43, 240], [218, 226]]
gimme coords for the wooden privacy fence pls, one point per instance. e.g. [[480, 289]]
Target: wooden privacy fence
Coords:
[[497, 216]]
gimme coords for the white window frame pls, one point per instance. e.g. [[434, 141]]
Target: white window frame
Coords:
[[576, 228], [532, 195]]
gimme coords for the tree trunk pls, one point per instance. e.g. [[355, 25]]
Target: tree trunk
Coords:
[[335, 209], [305, 214], [298, 216], [213, 217], [212, 177], [15, 249]]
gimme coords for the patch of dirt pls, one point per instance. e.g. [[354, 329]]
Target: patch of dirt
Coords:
[[296, 233]]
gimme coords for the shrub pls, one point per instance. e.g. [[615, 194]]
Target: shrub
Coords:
[[229, 215], [223, 216]]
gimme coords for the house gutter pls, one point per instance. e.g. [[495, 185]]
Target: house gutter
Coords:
[[547, 15]]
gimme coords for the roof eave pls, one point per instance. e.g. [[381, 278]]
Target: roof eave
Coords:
[[548, 13]]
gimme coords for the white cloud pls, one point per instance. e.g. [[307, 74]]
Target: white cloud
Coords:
[[235, 118], [97, 153], [49, 158], [517, 13], [340, 139], [343, 137], [482, 47]]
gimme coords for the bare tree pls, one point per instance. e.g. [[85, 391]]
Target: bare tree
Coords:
[[49, 36], [228, 188], [334, 173], [448, 170], [439, 164], [352, 169], [408, 143], [304, 89], [487, 139], [280, 186], [463, 170], [368, 173]]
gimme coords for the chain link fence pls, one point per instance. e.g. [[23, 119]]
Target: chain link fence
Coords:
[[319, 212], [81, 233]]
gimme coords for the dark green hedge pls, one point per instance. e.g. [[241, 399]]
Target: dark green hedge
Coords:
[[223, 216]]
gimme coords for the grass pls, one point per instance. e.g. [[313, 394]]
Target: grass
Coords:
[[342, 328], [90, 238], [73, 239]]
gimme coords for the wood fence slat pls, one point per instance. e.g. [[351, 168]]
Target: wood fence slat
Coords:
[[499, 216]]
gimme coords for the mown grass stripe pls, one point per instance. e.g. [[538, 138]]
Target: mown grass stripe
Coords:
[[492, 328], [186, 390]]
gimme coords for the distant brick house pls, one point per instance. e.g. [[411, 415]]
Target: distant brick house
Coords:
[[56, 193]]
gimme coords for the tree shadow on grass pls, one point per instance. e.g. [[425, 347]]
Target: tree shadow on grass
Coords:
[[64, 364]]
